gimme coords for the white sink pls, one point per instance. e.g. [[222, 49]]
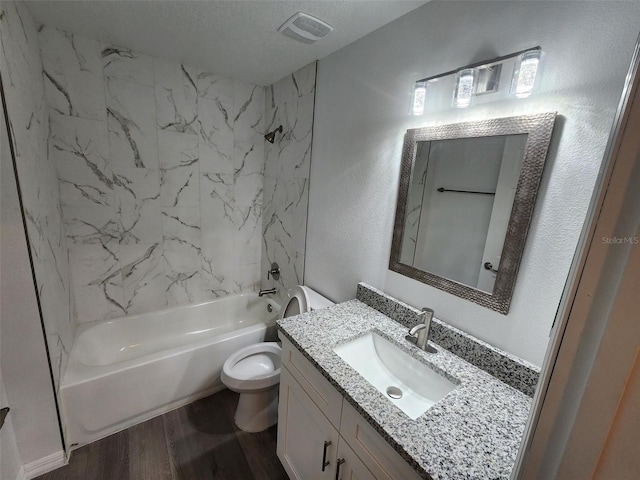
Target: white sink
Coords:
[[384, 365]]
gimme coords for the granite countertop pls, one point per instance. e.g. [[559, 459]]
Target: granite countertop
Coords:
[[474, 432]]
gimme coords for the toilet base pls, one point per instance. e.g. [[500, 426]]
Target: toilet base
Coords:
[[257, 411]]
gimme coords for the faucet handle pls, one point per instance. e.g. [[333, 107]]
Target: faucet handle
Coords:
[[274, 271]]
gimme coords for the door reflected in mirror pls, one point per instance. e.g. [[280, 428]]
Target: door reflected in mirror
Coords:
[[459, 205], [465, 202]]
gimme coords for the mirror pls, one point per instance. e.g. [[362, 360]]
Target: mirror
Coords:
[[465, 202]]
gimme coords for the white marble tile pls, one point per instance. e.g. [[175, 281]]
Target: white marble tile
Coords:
[[215, 87], [91, 224], [289, 103], [179, 186], [181, 239], [247, 278], [97, 282], [217, 205], [215, 130], [248, 118], [177, 149], [28, 114], [132, 125], [80, 149], [72, 67], [248, 190], [176, 96], [218, 266], [248, 157], [247, 251], [184, 288], [143, 278], [137, 192], [248, 221], [179, 175], [305, 79], [124, 64], [248, 174]]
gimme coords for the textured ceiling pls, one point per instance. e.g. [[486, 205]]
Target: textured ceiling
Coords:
[[235, 38]]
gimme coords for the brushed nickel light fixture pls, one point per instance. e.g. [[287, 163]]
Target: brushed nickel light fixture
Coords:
[[484, 78]]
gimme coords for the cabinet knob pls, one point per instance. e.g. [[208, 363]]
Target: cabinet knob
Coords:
[[325, 462]]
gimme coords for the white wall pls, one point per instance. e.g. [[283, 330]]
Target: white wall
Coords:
[[362, 104]]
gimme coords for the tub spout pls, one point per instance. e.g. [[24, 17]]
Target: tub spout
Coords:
[[267, 291]]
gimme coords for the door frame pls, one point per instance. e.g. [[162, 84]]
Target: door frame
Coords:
[[594, 325]]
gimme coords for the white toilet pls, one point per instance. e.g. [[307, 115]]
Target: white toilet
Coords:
[[254, 371]]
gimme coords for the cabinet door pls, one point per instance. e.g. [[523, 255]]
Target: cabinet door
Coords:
[[302, 433], [349, 466], [379, 457]]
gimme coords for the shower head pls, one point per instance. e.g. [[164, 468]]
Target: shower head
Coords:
[[270, 137]]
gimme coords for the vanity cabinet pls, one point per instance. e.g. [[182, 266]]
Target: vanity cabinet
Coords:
[[320, 435]]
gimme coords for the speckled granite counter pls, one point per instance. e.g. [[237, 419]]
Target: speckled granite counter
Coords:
[[473, 433]]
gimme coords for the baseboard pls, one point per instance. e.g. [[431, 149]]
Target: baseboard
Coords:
[[44, 465], [21, 475]]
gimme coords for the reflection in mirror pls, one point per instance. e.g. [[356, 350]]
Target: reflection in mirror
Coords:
[[459, 207], [465, 202]]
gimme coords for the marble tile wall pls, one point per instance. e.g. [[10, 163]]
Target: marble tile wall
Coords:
[[160, 169], [29, 127], [290, 103]]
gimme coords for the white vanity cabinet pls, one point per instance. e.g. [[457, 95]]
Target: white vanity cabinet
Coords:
[[320, 435]]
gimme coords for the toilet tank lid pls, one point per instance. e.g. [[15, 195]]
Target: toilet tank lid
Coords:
[[315, 300]]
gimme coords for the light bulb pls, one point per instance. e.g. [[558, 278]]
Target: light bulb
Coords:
[[419, 98], [465, 86], [524, 78]]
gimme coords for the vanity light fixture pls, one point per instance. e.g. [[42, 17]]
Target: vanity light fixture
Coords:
[[465, 87], [526, 72], [484, 78], [419, 98]]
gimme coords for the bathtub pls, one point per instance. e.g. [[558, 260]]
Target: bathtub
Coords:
[[124, 371]]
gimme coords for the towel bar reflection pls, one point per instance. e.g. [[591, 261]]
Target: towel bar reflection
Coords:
[[488, 266], [442, 189]]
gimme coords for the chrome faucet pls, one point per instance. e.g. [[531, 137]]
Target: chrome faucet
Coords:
[[268, 291], [422, 329]]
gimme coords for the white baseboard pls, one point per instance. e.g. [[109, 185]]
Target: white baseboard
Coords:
[[44, 465], [20, 475]]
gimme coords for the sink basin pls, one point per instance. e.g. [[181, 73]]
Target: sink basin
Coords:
[[405, 381]]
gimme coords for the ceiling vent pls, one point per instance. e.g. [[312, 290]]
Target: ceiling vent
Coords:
[[305, 28]]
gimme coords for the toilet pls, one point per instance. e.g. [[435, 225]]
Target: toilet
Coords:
[[254, 371]]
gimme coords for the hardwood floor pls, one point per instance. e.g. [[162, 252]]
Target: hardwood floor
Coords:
[[196, 442]]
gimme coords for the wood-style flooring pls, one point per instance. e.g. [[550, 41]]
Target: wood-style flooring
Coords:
[[196, 442]]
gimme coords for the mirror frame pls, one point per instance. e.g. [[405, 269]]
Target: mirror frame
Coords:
[[538, 129]]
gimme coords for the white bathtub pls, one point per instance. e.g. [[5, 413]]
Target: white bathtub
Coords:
[[124, 371]]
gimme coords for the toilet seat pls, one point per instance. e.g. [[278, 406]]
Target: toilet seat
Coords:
[[253, 368]]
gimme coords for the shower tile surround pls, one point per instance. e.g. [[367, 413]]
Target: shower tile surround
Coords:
[[473, 432], [160, 171], [29, 127], [290, 103], [505, 367]]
